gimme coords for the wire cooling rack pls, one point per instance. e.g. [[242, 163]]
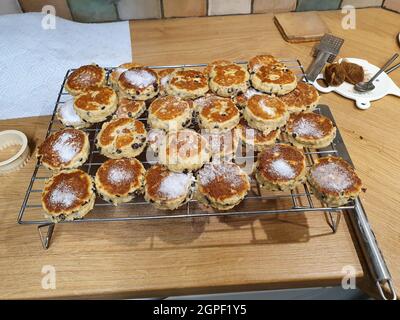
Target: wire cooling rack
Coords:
[[257, 202]]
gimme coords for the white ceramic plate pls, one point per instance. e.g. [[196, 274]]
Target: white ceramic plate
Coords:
[[383, 86]]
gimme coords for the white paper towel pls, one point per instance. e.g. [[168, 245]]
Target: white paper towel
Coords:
[[33, 61]]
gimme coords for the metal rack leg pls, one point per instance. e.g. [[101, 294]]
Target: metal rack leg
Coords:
[[45, 239], [333, 218]]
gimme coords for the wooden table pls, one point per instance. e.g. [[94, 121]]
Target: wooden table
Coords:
[[162, 258]]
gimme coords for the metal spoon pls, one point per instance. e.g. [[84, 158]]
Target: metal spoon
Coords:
[[391, 69], [368, 86]]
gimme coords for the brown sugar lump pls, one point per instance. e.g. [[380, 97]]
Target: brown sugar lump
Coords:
[[335, 75], [353, 72]]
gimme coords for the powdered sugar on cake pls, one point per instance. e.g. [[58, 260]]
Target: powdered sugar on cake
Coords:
[[175, 185], [65, 147], [332, 177], [283, 169], [267, 109], [251, 92], [303, 127], [68, 115], [63, 195], [164, 80], [221, 171], [118, 71], [118, 175], [155, 137], [204, 101], [140, 78]]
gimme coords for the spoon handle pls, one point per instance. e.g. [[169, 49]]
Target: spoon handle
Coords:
[[384, 67], [392, 68]]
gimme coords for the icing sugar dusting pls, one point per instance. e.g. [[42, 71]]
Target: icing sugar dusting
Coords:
[[251, 92], [118, 175], [68, 114], [175, 185], [283, 169], [228, 173], [155, 136], [63, 196], [307, 128], [332, 177], [164, 80], [65, 147], [268, 110], [203, 101], [119, 70], [140, 78]]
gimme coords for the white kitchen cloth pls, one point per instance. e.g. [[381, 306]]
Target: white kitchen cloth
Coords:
[[33, 60]]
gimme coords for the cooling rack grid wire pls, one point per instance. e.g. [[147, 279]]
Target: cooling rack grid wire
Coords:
[[257, 202]]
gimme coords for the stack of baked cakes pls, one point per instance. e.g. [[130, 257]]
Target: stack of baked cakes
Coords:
[[190, 122]]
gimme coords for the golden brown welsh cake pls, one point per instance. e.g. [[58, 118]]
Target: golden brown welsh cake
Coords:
[[128, 108], [256, 138], [216, 113], [138, 83], [166, 189], [116, 73], [265, 113], [223, 145], [164, 76], [183, 150], [269, 75], [68, 195], [228, 80], [120, 180], [334, 181], [96, 104], [310, 130], [280, 167], [187, 84], [85, 77], [222, 185], [303, 98], [64, 149], [68, 116], [242, 99], [121, 138], [169, 113]]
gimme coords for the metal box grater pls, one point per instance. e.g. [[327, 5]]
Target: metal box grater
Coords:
[[325, 51]]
